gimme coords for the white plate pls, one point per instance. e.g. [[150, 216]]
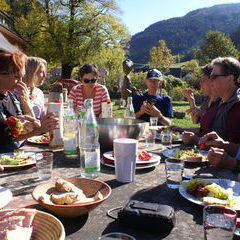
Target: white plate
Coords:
[[155, 158], [36, 139], [225, 183], [137, 166], [31, 154], [169, 154], [5, 196]]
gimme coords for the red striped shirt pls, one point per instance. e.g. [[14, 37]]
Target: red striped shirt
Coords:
[[101, 95]]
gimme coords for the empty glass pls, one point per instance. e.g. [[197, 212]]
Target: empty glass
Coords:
[[174, 171], [153, 121]]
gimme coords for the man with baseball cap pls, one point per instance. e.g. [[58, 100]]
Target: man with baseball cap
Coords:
[[152, 103]]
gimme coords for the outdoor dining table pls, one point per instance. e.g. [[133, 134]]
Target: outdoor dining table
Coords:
[[149, 185]]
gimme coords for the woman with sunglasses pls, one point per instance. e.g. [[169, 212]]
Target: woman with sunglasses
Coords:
[[89, 88]]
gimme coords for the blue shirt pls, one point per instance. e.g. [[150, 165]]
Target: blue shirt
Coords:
[[163, 104]]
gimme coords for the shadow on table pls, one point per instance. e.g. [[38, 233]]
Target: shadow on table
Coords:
[[115, 226], [73, 225]]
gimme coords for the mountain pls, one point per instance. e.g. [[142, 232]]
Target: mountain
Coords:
[[185, 33]]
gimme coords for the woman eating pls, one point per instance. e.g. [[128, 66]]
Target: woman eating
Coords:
[[14, 125]]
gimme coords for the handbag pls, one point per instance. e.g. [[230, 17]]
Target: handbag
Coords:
[[150, 217]]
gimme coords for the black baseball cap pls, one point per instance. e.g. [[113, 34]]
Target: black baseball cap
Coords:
[[154, 74]]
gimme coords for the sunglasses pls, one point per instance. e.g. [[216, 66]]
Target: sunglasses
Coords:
[[89, 80], [215, 76]]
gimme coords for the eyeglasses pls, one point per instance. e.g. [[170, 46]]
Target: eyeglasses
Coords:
[[89, 80], [215, 76]]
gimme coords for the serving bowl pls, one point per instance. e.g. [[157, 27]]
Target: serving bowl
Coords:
[[89, 186], [45, 226], [112, 128]]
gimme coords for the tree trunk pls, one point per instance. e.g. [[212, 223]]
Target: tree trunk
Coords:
[[66, 70]]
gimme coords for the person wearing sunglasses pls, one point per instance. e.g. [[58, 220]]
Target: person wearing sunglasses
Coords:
[[223, 117], [89, 88]]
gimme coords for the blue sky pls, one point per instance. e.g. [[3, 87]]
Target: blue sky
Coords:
[[139, 14]]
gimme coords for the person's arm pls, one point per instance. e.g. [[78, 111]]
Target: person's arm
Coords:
[[33, 128], [24, 99]]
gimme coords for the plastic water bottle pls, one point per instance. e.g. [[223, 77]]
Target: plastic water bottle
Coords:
[[70, 132], [129, 112], [89, 146]]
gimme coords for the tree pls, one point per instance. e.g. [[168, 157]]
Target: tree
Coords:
[[160, 57], [216, 44], [70, 32], [235, 36], [4, 6]]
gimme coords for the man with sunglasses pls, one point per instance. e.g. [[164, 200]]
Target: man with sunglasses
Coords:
[[223, 118], [89, 88]]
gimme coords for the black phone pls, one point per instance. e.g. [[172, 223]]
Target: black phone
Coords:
[[152, 101]]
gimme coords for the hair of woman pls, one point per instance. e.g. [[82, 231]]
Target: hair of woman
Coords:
[[88, 68], [32, 66], [11, 63]]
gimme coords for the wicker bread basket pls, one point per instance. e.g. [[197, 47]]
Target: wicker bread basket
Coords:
[[45, 226]]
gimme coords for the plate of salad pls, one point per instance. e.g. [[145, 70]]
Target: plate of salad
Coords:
[[144, 157], [17, 159], [188, 154], [42, 139], [211, 191]]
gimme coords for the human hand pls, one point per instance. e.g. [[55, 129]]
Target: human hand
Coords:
[[144, 108], [219, 158], [49, 123], [153, 111], [212, 140], [23, 92], [189, 138], [194, 112], [29, 123], [188, 93]]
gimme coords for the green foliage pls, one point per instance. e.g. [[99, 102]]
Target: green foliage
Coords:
[[137, 80], [170, 82], [193, 74], [160, 57], [177, 94], [216, 44], [74, 33]]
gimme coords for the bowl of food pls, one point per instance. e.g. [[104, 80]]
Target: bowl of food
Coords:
[[30, 224], [112, 128], [71, 197]]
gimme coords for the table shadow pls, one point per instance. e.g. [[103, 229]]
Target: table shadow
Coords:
[[73, 225]]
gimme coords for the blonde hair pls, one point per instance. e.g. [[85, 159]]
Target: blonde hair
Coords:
[[32, 66]]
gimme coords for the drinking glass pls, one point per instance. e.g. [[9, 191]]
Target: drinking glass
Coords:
[[44, 163], [116, 235], [219, 222], [153, 121], [174, 172], [166, 137], [150, 137]]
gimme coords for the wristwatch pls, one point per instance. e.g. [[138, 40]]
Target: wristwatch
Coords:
[[238, 160]]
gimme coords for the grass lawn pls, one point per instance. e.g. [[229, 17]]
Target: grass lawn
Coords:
[[186, 122]]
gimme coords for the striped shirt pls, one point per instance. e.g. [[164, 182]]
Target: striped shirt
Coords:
[[100, 95]]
